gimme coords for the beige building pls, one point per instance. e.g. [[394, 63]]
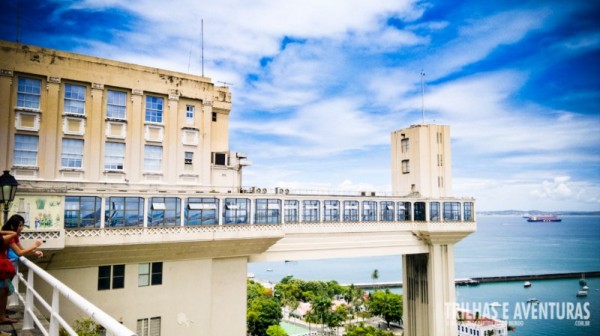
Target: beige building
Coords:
[[421, 161]]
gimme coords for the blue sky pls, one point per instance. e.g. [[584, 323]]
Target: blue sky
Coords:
[[318, 86]]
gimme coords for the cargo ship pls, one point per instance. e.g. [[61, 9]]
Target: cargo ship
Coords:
[[543, 218]]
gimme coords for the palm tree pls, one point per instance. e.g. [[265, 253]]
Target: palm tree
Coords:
[[374, 276]]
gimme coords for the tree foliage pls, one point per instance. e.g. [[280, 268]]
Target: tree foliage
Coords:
[[263, 309], [276, 330], [362, 330], [387, 305]]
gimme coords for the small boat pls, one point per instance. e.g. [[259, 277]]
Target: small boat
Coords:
[[269, 270], [527, 284], [533, 301], [582, 293], [582, 281], [495, 304], [585, 288]]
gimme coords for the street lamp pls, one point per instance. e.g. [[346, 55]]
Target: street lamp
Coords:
[[9, 188]]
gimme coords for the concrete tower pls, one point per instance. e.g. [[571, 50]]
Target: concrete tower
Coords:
[[421, 161]]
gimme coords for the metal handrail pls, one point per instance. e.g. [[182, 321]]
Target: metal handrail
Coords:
[[111, 325]]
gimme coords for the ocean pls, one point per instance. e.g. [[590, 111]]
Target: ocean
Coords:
[[502, 245]]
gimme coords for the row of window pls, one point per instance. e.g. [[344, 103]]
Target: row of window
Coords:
[[26, 154], [85, 211], [113, 276], [74, 100]]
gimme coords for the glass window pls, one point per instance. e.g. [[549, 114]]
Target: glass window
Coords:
[[404, 145], [291, 211], [111, 277], [116, 104], [331, 211], [420, 211], [434, 211], [189, 113], [72, 153], [387, 211], [267, 211], [26, 150], [124, 211], [154, 109], [201, 211], [404, 211], [28, 93], [74, 99], [150, 274], [148, 327], [351, 211], [310, 211], [468, 207], [369, 212], [236, 211], [114, 156], [164, 211], [405, 167], [152, 158], [188, 158], [82, 212], [451, 211]]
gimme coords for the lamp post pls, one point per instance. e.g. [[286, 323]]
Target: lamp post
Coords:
[[9, 184]]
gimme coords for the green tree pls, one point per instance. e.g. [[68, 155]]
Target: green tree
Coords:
[[84, 326], [262, 313], [321, 309], [276, 330], [387, 305], [362, 330]]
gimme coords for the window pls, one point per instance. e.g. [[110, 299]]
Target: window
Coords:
[[201, 211], [387, 212], [189, 113], [214, 116], [404, 211], [123, 211], [369, 211], [291, 211], [219, 159], [111, 277], [114, 156], [331, 211], [236, 211], [28, 93], [468, 210], [26, 150], [148, 327], [404, 145], [116, 104], [154, 109], [268, 211], [434, 214], [310, 211], [405, 167], [451, 211], [188, 158], [82, 212], [440, 181], [440, 160], [351, 211], [150, 274], [164, 211], [420, 211], [152, 158], [72, 153], [74, 99]]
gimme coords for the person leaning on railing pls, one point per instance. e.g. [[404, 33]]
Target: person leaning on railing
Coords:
[[7, 272], [15, 225]]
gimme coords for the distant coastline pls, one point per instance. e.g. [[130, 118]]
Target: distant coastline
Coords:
[[538, 212]]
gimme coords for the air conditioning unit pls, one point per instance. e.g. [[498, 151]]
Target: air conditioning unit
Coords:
[[363, 193]]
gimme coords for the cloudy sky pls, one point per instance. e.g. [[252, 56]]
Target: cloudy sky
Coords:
[[319, 85]]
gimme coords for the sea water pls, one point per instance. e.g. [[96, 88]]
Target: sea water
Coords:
[[502, 245]]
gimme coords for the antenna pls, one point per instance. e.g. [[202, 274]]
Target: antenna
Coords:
[[189, 60], [202, 43], [422, 97], [18, 20], [225, 84]]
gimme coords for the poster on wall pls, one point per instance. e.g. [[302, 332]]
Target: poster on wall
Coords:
[[40, 212]]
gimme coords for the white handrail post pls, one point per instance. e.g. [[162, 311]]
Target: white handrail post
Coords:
[[13, 300], [27, 318], [54, 313]]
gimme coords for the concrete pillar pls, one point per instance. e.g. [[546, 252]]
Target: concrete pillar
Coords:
[[228, 297], [429, 293], [7, 120], [96, 128]]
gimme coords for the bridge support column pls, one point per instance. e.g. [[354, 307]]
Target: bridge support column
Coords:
[[429, 294], [228, 293]]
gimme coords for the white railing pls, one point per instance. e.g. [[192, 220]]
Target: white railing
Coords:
[[59, 290]]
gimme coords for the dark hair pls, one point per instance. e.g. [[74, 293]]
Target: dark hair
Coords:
[[12, 224]]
